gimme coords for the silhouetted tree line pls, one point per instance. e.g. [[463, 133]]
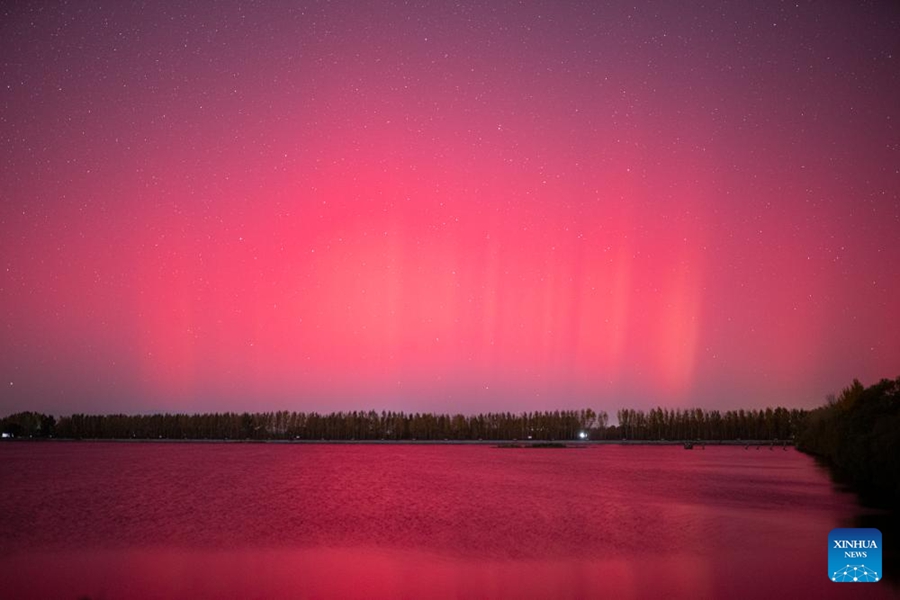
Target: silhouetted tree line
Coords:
[[284, 425], [858, 433], [657, 424], [699, 424], [28, 424]]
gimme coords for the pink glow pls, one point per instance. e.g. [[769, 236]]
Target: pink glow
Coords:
[[442, 209]]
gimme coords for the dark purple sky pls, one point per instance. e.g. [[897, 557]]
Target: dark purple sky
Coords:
[[446, 206]]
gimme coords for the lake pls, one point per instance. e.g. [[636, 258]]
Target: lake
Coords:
[[226, 520]]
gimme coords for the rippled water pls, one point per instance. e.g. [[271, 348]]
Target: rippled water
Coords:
[[182, 520]]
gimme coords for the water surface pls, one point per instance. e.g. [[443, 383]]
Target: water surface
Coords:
[[187, 520]]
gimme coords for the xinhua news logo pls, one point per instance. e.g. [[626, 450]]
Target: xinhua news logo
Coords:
[[854, 555]]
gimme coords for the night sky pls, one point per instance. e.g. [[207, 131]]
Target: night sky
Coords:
[[446, 206]]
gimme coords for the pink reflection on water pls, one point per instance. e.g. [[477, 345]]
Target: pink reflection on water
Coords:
[[152, 573], [283, 521]]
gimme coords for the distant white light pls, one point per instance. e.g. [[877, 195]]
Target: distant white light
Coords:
[[582, 435]]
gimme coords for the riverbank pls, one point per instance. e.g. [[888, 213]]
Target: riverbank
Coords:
[[567, 443], [857, 435]]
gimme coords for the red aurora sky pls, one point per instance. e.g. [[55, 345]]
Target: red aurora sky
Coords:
[[446, 206]]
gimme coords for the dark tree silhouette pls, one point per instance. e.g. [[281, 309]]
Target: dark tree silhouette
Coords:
[[657, 424], [858, 433]]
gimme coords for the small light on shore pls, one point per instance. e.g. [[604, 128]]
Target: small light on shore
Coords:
[[583, 435]]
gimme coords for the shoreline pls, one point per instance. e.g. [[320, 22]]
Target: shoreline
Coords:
[[522, 443]]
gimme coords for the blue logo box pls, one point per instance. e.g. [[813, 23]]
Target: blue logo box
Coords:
[[854, 555]]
